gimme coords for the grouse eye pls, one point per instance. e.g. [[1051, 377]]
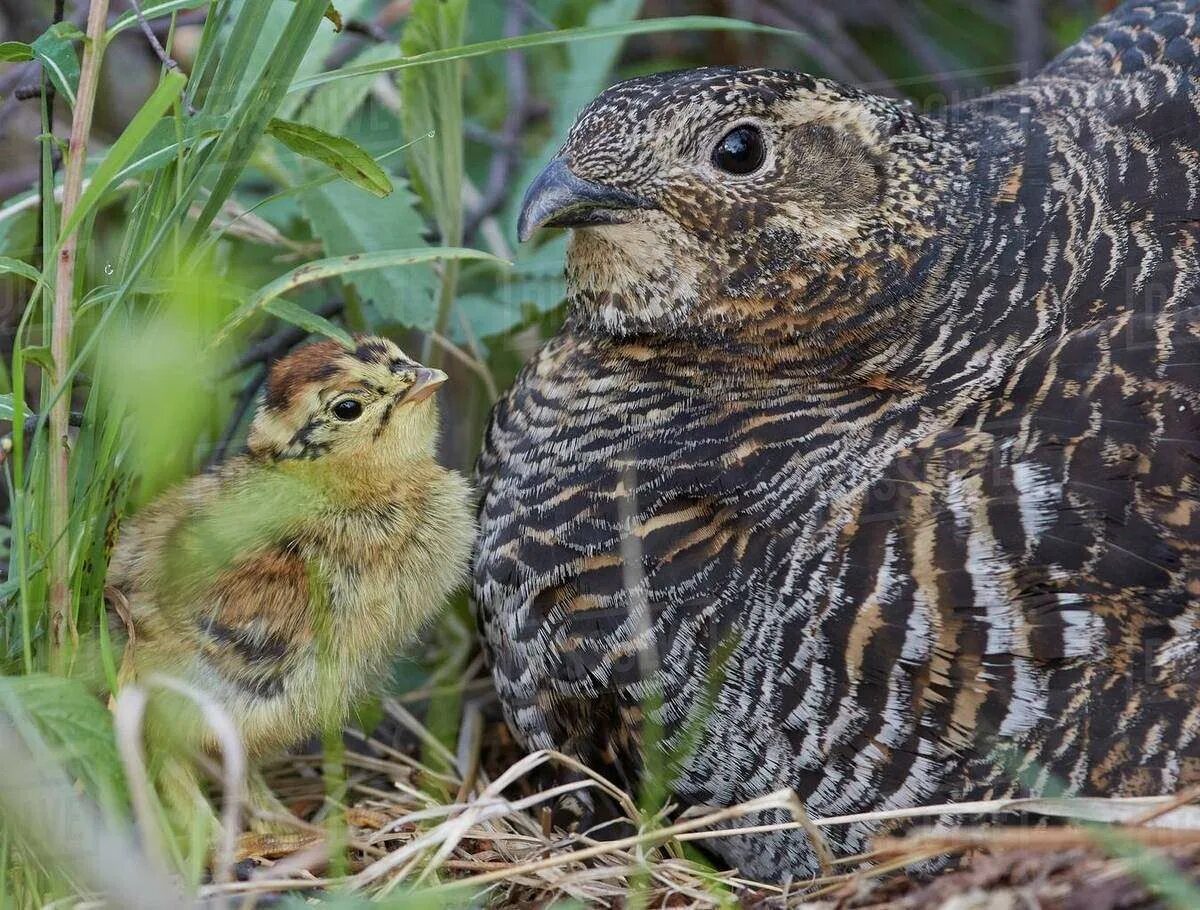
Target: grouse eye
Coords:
[[740, 151], [347, 409]]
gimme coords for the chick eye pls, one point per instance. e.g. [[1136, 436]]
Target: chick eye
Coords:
[[740, 151], [347, 409]]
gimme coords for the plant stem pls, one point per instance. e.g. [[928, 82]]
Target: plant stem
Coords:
[[60, 343]]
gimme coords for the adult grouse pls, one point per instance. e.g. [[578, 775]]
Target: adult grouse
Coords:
[[870, 442]]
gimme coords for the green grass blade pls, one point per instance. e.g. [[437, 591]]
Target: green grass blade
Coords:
[[122, 150], [17, 267], [235, 57], [339, 265], [237, 142], [541, 39], [305, 319]]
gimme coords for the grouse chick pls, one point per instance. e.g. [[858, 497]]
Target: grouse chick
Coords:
[[281, 584], [897, 416]]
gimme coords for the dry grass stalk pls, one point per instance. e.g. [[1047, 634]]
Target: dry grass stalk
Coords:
[[1032, 838]]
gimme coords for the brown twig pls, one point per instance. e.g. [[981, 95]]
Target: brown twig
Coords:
[[152, 39]]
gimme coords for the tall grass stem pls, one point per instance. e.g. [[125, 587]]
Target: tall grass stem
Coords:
[[60, 343]]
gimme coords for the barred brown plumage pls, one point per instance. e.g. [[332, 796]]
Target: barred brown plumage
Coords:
[[903, 423]]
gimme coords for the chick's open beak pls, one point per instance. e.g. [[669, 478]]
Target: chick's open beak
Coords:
[[557, 198], [427, 382]]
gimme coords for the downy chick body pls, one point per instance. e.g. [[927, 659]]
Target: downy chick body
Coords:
[[282, 584]]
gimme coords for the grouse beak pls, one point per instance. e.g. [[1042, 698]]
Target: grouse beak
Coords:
[[557, 198], [425, 384]]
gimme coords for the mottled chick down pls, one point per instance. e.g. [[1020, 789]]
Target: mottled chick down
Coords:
[[283, 583], [898, 414]]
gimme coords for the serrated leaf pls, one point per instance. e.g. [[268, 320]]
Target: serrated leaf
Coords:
[[348, 221], [54, 48], [74, 724], [15, 52], [343, 155], [307, 320]]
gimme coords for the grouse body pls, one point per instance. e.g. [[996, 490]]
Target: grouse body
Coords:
[[870, 444]]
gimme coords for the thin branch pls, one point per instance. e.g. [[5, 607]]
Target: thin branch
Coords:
[[152, 39], [356, 31], [60, 342], [245, 400], [477, 366]]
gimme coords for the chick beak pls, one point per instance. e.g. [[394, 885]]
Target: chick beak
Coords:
[[427, 382], [557, 198]]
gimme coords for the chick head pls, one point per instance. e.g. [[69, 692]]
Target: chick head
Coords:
[[722, 196], [370, 403]]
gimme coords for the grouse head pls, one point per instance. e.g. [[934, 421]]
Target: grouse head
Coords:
[[758, 201], [338, 408]]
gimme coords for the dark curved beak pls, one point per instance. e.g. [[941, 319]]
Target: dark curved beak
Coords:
[[557, 198], [425, 384]]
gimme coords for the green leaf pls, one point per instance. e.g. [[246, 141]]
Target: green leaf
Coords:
[[6, 407], [348, 221], [339, 265], [162, 145], [15, 52], [346, 157], [540, 39], [54, 48], [74, 724], [160, 100], [432, 105], [17, 267], [311, 322]]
